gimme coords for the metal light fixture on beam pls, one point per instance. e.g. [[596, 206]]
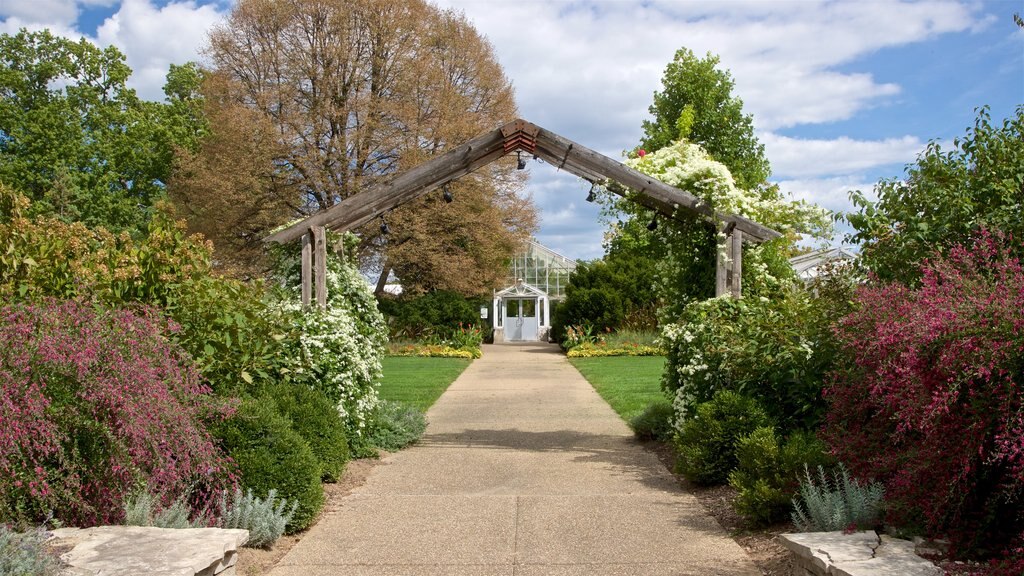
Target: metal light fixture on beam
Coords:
[[654, 224], [446, 193], [520, 162], [592, 196], [384, 230]]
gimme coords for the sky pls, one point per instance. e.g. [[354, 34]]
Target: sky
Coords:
[[842, 93]]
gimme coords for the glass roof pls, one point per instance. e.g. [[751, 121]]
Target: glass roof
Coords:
[[541, 267]]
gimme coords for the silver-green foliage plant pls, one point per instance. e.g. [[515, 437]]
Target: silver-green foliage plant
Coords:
[[143, 509], [836, 503], [265, 519], [25, 554]]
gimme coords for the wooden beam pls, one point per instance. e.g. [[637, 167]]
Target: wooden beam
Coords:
[[358, 209], [307, 269], [558, 151], [721, 263], [736, 245], [320, 264]]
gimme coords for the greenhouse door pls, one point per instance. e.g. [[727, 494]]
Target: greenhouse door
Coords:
[[521, 319]]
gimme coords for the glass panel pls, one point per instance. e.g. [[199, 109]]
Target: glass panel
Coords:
[[511, 308], [540, 310], [529, 308]]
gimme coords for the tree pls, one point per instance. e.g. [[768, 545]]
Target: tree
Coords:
[[358, 91], [76, 139], [696, 103], [228, 189], [945, 196]]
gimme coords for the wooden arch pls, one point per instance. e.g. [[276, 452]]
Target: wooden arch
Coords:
[[518, 135]]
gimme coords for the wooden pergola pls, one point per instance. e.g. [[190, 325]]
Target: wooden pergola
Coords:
[[526, 137]]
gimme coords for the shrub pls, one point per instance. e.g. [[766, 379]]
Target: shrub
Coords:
[[143, 509], [840, 504], [767, 472], [777, 351], [432, 351], [601, 350], [655, 422], [272, 456], [430, 315], [265, 519], [316, 419], [338, 350], [396, 426], [929, 399], [707, 442], [25, 554], [225, 325], [95, 403]]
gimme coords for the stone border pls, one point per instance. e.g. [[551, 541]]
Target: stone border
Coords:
[[862, 553], [134, 550]]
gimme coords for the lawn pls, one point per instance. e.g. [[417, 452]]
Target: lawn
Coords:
[[418, 381], [628, 383]]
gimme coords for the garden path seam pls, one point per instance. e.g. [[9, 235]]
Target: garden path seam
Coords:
[[524, 470]]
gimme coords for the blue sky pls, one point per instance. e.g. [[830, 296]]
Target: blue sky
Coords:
[[842, 93]]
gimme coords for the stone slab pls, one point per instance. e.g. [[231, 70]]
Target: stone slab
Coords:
[[858, 554], [133, 550]]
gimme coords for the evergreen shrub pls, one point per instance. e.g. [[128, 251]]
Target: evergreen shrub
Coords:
[[317, 420], [272, 456], [768, 470], [707, 441], [433, 315]]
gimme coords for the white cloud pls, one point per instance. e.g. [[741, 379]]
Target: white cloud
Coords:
[[41, 13], [154, 38], [802, 158]]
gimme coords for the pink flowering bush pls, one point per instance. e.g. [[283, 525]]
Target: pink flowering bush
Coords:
[[929, 400], [94, 405]]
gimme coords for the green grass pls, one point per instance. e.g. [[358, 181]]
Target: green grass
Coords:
[[628, 383], [418, 382]]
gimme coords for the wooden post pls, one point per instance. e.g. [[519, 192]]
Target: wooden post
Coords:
[[307, 269], [736, 245], [721, 263], [320, 265]]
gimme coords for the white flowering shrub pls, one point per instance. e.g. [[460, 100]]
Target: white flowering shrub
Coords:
[[768, 349], [337, 350], [688, 244]]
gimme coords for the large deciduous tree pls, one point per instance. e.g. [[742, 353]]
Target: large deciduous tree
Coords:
[[978, 183], [356, 91], [696, 103], [76, 139]]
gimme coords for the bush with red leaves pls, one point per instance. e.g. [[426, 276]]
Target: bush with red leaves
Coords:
[[928, 397], [96, 404]]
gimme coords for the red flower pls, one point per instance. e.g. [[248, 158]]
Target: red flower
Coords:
[[641, 152]]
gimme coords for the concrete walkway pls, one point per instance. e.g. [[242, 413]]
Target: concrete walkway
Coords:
[[524, 470]]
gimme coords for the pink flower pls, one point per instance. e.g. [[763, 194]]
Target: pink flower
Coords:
[[641, 152]]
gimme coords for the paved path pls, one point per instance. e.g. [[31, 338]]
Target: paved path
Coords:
[[524, 470]]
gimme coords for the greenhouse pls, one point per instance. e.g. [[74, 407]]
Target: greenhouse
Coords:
[[536, 282]]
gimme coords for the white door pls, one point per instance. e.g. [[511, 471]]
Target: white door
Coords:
[[521, 322]]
